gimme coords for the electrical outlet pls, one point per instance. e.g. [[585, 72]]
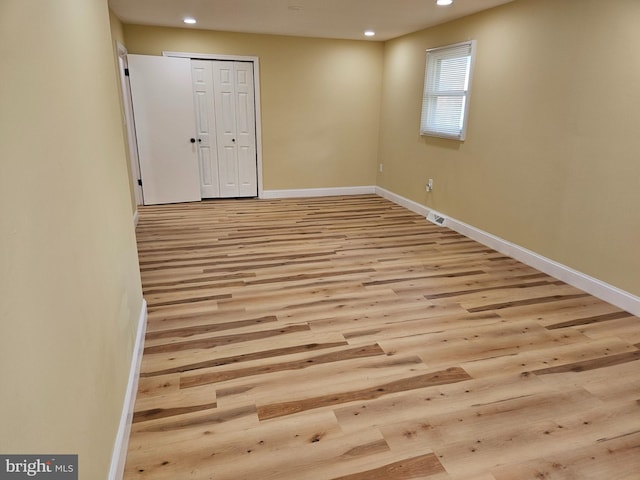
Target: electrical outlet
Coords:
[[380, 168], [429, 185]]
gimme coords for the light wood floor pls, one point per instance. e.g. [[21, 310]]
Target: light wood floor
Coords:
[[348, 338]]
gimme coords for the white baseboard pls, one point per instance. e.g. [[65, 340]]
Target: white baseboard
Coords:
[[415, 207], [136, 217], [602, 290], [317, 192], [119, 456]]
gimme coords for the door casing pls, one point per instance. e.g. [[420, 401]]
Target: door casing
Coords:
[[132, 142]]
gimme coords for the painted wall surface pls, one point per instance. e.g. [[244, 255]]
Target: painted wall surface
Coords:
[[320, 100], [552, 156], [70, 295]]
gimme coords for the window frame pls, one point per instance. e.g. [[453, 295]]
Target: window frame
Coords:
[[433, 56]]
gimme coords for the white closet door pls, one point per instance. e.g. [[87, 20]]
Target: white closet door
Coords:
[[235, 128], [225, 113], [162, 95], [202, 77], [246, 129]]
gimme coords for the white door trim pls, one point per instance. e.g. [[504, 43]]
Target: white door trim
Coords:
[[132, 142], [256, 88]]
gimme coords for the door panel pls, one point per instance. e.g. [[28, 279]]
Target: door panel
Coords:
[[228, 172], [201, 73], [226, 127], [246, 129], [236, 136], [162, 97]]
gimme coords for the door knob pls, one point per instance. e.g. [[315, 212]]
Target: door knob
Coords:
[[199, 140], [193, 140], [233, 139]]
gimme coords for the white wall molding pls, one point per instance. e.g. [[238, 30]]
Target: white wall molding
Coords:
[[317, 192], [136, 218], [119, 456], [602, 290]]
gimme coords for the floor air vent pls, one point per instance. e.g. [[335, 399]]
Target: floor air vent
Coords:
[[436, 218]]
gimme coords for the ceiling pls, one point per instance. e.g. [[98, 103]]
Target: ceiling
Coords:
[[345, 19]]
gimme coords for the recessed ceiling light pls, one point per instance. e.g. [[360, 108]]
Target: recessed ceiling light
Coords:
[[189, 20], [444, 3], [369, 33]]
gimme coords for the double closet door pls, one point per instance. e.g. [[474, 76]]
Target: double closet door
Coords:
[[195, 122], [225, 121]]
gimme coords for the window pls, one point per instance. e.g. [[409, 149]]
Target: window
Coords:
[[447, 81]]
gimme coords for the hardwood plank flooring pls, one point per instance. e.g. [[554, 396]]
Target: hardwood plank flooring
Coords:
[[348, 338]]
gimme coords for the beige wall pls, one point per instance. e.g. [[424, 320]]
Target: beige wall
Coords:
[[549, 163], [320, 101], [69, 281], [552, 156]]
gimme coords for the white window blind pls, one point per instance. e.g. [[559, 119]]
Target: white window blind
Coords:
[[447, 82]]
